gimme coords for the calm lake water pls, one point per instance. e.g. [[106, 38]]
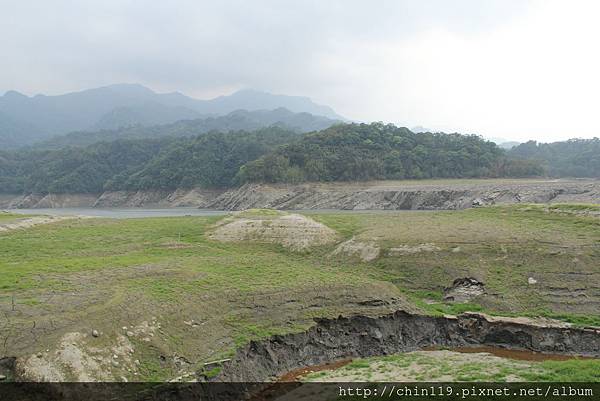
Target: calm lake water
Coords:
[[128, 213], [123, 213]]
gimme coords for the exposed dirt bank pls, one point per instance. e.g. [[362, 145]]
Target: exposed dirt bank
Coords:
[[360, 336], [178, 198], [449, 194], [380, 195]]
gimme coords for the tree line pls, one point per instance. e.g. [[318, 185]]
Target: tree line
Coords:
[[384, 152], [345, 152], [209, 160], [572, 158]]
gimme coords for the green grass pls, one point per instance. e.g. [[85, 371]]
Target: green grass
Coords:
[[213, 372], [10, 216], [575, 207], [358, 364], [576, 370], [347, 225], [253, 213], [574, 318], [102, 272], [424, 366], [502, 246], [440, 309], [6, 217], [67, 248], [105, 273]]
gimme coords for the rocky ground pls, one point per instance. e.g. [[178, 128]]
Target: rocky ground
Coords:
[[379, 195]]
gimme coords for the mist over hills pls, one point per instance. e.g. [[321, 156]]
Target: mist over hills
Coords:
[[13, 132], [235, 121], [124, 137], [573, 158], [25, 120]]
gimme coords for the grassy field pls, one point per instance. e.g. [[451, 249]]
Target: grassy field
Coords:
[[6, 217], [500, 246], [102, 274], [447, 366], [112, 276]]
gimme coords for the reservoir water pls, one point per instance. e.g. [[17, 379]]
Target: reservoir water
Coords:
[[138, 212], [123, 213]]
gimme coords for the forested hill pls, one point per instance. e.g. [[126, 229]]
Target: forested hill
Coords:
[[572, 158], [377, 151], [347, 152], [235, 121], [210, 160]]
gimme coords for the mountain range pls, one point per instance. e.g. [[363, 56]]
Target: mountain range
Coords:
[[25, 120]]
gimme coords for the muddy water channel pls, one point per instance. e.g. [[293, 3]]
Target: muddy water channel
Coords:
[[122, 213]]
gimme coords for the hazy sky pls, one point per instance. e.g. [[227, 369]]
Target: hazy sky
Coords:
[[513, 69]]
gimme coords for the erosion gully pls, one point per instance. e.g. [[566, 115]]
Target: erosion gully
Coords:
[[331, 343], [334, 340]]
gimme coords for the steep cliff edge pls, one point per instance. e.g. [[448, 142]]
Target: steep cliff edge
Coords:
[[363, 336]]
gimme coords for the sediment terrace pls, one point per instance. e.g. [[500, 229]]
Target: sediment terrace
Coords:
[[362, 336], [378, 195]]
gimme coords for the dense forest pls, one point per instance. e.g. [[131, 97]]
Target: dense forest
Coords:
[[209, 160], [572, 158], [347, 152], [67, 170], [378, 151]]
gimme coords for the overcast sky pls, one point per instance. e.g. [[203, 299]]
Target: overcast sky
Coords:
[[501, 68]]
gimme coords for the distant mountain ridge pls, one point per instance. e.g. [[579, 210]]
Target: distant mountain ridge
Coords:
[[238, 120], [24, 119]]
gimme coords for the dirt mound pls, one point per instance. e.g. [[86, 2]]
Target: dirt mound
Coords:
[[463, 290], [366, 251], [22, 223], [293, 231]]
